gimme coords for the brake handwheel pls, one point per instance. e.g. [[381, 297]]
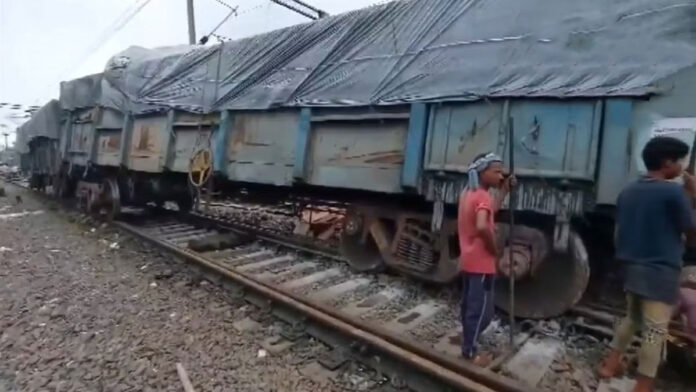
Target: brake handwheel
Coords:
[[200, 168]]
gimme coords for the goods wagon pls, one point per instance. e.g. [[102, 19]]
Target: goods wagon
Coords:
[[113, 159], [37, 142], [384, 108]]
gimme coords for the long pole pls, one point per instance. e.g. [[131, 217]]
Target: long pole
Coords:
[[295, 9], [191, 22], [320, 13], [511, 271]]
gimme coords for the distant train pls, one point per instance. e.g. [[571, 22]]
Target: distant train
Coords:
[[383, 109]]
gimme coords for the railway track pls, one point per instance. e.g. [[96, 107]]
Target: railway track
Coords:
[[386, 322], [406, 332]]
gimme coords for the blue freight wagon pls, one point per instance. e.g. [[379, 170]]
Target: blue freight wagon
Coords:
[[384, 108]]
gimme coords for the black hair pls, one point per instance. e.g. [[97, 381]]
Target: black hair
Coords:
[[662, 148]]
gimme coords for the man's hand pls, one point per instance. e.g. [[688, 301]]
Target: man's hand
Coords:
[[510, 181]]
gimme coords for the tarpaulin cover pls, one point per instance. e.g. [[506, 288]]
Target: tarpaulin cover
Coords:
[[414, 50], [45, 122], [93, 90]]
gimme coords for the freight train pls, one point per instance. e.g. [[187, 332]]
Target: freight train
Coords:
[[383, 109]]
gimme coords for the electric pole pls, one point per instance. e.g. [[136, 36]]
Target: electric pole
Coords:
[[191, 22]]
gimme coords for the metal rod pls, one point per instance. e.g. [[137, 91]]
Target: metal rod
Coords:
[[319, 12], [295, 9], [191, 23], [233, 11], [511, 272]]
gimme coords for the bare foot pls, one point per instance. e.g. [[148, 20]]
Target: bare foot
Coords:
[[482, 359]]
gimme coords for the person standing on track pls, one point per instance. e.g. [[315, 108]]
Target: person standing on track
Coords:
[[653, 214], [479, 251]]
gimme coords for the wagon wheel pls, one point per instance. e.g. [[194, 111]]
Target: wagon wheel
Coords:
[[58, 186], [200, 168], [61, 186], [556, 286], [111, 198], [358, 246], [91, 202]]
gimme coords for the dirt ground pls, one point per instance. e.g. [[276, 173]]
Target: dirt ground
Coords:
[[84, 309]]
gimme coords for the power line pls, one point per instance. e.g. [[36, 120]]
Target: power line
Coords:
[[233, 11], [246, 11], [109, 32], [224, 4]]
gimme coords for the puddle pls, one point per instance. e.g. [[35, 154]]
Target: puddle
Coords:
[[19, 214]]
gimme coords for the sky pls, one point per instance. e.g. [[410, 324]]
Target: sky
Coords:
[[43, 42]]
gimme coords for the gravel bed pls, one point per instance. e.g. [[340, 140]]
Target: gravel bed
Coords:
[[277, 280], [257, 218], [431, 331], [345, 275], [411, 297], [88, 309]]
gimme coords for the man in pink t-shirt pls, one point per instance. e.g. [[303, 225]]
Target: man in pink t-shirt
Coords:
[[479, 251]]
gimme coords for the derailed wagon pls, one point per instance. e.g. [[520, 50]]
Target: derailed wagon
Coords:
[[383, 109]]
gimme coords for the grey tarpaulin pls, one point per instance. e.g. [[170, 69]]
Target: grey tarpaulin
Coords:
[[425, 50], [81, 93], [45, 122], [411, 50], [93, 90]]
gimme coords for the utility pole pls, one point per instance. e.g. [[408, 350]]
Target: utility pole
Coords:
[[191, 22]]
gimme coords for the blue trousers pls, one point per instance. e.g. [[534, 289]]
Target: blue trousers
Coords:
[[476, 309]]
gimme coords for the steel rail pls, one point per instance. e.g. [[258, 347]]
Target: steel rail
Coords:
[[462, 375]]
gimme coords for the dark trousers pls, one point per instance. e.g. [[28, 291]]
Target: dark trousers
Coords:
[[476, 309]]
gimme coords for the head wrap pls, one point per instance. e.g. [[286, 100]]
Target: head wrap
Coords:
[[479, 165]]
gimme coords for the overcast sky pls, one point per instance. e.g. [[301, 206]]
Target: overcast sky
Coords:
[[45, 41]]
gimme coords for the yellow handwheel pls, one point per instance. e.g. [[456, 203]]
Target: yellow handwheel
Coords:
[[200, 167]]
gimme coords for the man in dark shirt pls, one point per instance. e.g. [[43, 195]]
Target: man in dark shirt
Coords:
[[653, 215]]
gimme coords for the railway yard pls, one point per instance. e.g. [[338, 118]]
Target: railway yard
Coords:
[[284, 211], [115, 306]]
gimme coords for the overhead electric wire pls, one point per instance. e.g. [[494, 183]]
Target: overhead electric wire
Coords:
[[234, 11], [204, 39], [224, 4], [121, 21]]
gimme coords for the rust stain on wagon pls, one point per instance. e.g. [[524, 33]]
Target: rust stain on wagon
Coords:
[[110, 143], [239, 134], [394, 157], [143, 139]]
